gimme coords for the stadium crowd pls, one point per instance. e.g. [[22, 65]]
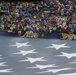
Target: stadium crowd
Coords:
[[30, 19]]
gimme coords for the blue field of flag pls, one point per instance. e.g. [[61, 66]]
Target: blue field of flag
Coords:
[[25, 56]]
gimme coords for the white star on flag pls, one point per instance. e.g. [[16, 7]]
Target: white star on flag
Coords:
[[43, 66], [56, 46], [1, 57], [55, 70], [68, 55], [3, 64], [6, 71], [23, 52], [72, 62], [68, 74], [32, 60], [20, 44]]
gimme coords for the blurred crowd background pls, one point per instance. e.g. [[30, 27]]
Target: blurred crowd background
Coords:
[[37, 19]]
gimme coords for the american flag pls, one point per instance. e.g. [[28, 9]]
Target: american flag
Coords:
[[27, 56]]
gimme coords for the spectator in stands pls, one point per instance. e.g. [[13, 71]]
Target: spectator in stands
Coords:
[[36, 20]]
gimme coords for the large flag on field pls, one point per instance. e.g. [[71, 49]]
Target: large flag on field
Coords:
[[25, 56]]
